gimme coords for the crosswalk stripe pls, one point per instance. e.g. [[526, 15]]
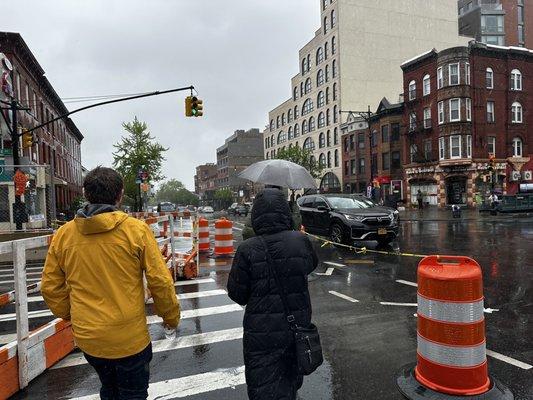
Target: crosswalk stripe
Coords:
[[196, 295], [169, 344], [28, 274], [191, 385], [27, 280], [194, 282]]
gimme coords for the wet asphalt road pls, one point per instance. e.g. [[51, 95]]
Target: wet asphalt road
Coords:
[[365, 343]]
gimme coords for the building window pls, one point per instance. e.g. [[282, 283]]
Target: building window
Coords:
[[335, 137], [453, 74], [329, 159], [327, 73], [455, 110], [491, 145], [517, 147], [282, 137], [290, 136], [307, 85], [321, 140], [295, 93], [328, 139], [289, 115], [490, 111], [311, 124], [384, 134], [427, 150], [307, 107], [334, 91], [347, 168], [336, 158], [352, 142], [277, 122], [346, 144], [326, 46], [455, 146], [301, 89], [467, 73], [440, 78], [489, 78], [395, 132], [491, 24], [335, 114], [516, 113], [321, 120], [324, 4], [442, 148], [374, 139], [327, 117], [333, 45], [271, 125], [412, 122], [493, 39], [468, 146], [296, 112], [305, 127], [267, 142], [516, 80], [319, 55], [412, 90], [361, 140], [353, 167], [327, 95], [304, 67], [521, 36], [413, 149], [427, 118], [333, 18], [334, 68], [395, 160], [385, 161], [283, 122], [326, 25], [319, 78], [296, 130], [309, 144], [468, 109], [361, 165], [320, 99], [322, 160], [427, 85]]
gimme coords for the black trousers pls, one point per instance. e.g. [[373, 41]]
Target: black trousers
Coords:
[[123, 378]]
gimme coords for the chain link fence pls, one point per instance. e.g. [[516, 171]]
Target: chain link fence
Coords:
[[35, 209]]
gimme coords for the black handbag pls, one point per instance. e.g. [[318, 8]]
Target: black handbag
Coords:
[[306, 338]]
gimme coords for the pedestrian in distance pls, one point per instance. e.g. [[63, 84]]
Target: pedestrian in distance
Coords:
[[269, 344], [420, 199], [93, 276]]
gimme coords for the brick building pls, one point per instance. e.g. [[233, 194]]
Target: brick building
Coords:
[[56, 145], [374, 155], [462, 105], [205, 182]]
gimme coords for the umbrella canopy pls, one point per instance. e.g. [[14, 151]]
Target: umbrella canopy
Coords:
[[279, 173]]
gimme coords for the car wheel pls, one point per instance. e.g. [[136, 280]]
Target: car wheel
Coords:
[[337, 234]]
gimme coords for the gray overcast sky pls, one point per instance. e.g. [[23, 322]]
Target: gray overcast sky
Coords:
[[240, 55]]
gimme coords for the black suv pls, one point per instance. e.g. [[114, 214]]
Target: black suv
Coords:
[[346, 218]]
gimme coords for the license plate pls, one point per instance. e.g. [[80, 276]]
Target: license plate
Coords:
[[382, 231]]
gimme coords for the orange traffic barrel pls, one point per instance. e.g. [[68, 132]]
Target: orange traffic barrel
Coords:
[[223, 237], [204, 244], [451, 346]]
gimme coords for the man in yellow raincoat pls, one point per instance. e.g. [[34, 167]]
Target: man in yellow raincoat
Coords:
[[93, 276]]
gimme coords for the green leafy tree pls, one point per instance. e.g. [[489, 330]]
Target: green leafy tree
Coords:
[[223, 197], [302, 157], [137, 150], [174, 192]]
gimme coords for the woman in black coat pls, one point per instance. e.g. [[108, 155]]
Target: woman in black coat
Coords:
[[268, 343]]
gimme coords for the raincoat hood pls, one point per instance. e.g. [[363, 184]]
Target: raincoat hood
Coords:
[[271, 213], [98, 218]]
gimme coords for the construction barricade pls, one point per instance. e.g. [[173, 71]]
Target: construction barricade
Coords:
[[223, 238], [204, 243], [451, 351]]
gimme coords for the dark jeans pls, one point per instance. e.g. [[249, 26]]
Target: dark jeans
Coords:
[[123, 378]]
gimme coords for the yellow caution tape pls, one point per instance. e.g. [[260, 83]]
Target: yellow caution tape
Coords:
[[363, 250]]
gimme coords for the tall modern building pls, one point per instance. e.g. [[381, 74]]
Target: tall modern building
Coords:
[[498, 22], [354, 61]]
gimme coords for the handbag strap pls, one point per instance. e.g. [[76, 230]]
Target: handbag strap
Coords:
[[289, 316]]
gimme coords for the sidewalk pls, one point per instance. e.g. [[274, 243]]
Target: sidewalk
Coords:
[[438, 214]]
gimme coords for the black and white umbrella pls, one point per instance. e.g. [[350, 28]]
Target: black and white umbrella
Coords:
[[279, 173]]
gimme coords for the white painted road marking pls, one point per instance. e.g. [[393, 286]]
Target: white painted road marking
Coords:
[[490, 310], [388, 303], [406, 282], [27, 280], [196, 295], [237, 229], [334, 264], [191, 385], [169, 344], [343, 296], [509, 360], [328, 272], [194, 282]]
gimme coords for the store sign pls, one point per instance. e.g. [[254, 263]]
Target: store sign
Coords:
[[420, 170]]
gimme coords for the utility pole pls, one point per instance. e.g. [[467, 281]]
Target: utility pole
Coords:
[[17, 208]]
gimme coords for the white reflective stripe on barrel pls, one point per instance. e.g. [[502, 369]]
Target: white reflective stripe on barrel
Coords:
[[454, 356], [450, 311], [223, 231], [223, 243], [204, 239]]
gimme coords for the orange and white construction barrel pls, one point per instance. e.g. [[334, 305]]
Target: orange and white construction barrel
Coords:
[[223, 237], [204, 244], [451, 346]]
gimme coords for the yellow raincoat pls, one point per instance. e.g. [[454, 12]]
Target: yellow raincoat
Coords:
[[93, 276]]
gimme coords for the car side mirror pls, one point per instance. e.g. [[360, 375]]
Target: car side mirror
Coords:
[[322, 208]]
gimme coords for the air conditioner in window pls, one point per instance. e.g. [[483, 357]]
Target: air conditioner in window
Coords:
[[528, 175], [515, 176]]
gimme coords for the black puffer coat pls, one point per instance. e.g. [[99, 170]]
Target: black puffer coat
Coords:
[[268, 342]]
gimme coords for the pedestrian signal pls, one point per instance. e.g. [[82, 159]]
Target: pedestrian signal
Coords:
[[27, 140]]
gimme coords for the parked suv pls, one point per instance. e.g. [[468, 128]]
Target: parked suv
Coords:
[[347, 218]]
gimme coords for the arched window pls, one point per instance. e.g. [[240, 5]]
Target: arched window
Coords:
[[283, 119], [426, 85], [289, 115], [324, 4], [267, 143], [320, 99], [305, 127], [271, 124], [322, 160], [272, 140], [309, 144], [311, 124], [307, 85], [334, 91], [267, 155], [516, 113], [335, 115], [489, 77], [301, 89], [277, 121], [329, 159], [295, 93], [517, 147], [333, 45], [312, 159], [282, 137], [328, 139], [412, 90], [304, 68], [289, 134], [321, 120], [321, 140], [296, 145], [516, 80], [272, 153], [307, 107], [327, 117], [333, 18], [327, 95], [296, 130], [320, 78], [334, 68], [319, 55], [325, 25], [296, 112], [336, 158], [327, 73], [335, 137], [326, 49], [308, 62]]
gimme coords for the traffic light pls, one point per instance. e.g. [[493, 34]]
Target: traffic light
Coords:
[[492, 163], [188, 106], [27, 140], [197, 107]]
